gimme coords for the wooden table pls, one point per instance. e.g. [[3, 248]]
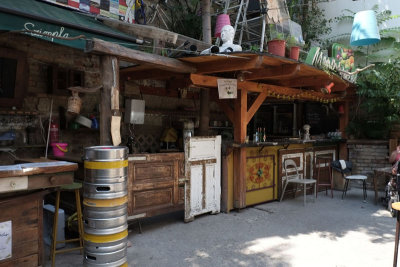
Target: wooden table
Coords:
[[381, 175], [22, 187]]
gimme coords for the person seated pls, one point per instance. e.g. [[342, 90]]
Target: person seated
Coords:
[[227, 35], [394, 159]]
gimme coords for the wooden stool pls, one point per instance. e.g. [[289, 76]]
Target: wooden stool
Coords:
[[319, 160], [396, 206], [72, 187]]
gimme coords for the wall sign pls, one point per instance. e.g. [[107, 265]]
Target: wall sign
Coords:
[[342, 62], [5, 240], [227, 88]]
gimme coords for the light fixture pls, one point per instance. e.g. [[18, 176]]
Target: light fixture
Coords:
[[327, 89], [365, 29]]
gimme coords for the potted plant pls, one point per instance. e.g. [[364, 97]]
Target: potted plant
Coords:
[[294, 48], [276, 45]]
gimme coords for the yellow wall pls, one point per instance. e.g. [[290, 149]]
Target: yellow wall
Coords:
[[256, 196]]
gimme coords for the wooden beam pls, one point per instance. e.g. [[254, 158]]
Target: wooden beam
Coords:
[[277, 72], [240, 122], [152, 32], [153, 74], [239, 159], [145, 31], [229, 64], [272, 90], [315, 81], [105, 100], [256, 105], [136, 56], [85, 90]]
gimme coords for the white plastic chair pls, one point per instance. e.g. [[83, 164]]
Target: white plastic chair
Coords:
[[296, 179]]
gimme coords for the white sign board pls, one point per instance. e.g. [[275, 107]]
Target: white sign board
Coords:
[[227, 88], [5, 240]]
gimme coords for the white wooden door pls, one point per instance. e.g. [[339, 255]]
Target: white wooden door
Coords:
[[203, 173]]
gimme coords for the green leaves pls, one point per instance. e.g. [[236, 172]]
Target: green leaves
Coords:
[[379, 94]]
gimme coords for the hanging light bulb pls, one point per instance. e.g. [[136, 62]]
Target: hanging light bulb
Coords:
[[365, 29]]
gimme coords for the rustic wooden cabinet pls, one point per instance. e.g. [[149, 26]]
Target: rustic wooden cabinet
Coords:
[[25, 213], [155, 184]]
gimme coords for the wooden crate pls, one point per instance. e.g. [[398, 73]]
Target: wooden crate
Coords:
[[26, 215]]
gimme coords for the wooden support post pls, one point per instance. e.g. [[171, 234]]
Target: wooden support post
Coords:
[[239, 157], [204, 111], [105, 101], [343, 121]]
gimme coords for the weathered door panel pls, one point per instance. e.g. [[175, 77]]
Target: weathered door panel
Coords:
[[203, 172]]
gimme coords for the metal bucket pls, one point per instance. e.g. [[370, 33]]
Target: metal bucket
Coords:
[[108, 250], [105, 190], [105, 163]]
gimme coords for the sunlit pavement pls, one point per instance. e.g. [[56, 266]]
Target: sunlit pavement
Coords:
[[327, 232]]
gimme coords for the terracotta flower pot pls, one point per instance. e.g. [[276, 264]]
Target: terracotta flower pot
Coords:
[[277, 47], [294, 52]]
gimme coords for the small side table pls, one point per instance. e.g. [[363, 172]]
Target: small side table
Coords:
[[326, 160]]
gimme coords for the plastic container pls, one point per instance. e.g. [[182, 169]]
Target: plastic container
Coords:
[[84, 121], [59, 149], [276, 47], [54, 132], [48, 217]]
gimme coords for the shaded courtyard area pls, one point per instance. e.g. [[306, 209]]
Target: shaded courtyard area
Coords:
[[327, 232]]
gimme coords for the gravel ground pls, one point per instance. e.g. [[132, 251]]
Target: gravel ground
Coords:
[[327, 232]]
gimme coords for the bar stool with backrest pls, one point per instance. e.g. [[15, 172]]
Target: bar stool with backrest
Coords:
[[75, 187], [324, 160], [345, 167]]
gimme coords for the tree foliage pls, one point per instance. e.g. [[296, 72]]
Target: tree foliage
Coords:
[[312, 19], [379, 101]]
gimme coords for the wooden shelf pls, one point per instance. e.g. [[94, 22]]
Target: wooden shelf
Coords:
[[221, 127], [19, 112]]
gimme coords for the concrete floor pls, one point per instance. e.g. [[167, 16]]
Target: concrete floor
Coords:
[[327, 232]]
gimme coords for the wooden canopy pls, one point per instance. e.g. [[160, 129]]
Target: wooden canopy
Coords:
[[285, 78], [263, 75]]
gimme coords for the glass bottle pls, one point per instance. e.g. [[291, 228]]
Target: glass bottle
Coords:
[[264, 136]]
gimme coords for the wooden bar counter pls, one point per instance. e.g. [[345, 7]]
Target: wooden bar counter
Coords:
[[22, 187], [264, 168]]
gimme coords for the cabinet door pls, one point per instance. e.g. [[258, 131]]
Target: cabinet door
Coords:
[[203, 170]]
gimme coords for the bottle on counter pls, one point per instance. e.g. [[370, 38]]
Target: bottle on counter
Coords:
[[54, 131], [264, 136], [255, 139]]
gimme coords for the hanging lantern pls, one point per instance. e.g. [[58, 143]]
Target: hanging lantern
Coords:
[[365, 29], [222, 20]]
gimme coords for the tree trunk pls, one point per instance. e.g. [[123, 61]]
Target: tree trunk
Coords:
[[206, 20]]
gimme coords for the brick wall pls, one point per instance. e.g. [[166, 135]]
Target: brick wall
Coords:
[[367, 155], [40, 56]]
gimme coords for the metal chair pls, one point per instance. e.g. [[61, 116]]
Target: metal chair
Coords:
[[288, 166], [345, 167]]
